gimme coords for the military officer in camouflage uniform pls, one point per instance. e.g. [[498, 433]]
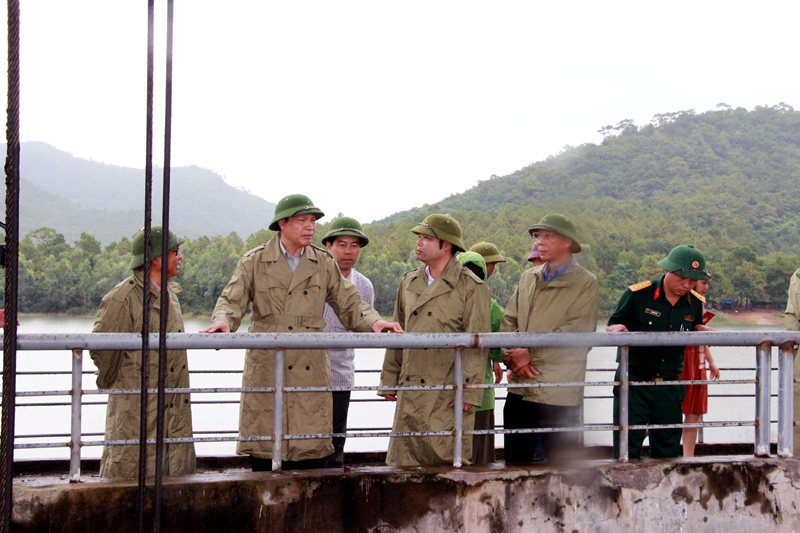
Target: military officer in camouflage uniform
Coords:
[[287, 282], [666, 304], [442, 296], [121, 312]]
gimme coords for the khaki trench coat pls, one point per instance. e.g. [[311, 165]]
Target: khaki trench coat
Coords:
[[456, 301], [568, 304], [121, 312], [793, 324], [289, 302]]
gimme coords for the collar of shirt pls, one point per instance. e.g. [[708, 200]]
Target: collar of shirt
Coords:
[[293, 260], [157, 286], [428, 274], [553, 275]]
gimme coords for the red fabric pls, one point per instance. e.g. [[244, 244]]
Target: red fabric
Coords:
[[696, 400]]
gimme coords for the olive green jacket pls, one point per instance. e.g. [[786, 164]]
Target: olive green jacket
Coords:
[[566, 304], [121, 312], [793, 324], [286, 301], [456, 301]]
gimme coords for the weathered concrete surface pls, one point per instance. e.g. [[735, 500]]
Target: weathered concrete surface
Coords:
[[729, 494]]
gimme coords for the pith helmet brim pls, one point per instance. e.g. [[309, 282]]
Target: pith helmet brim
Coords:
[[437, 226], [137, 246], [558, 224], [691, 273], [286, 213], [345, 232], [490, 252]]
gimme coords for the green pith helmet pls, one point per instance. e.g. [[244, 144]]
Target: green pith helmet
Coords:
[[561, 225], [490, 252], [345, 227], [472, 257], [137, 246], [294, 204], [686, 261], [442, 227]]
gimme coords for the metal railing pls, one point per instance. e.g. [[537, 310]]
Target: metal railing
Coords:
[[762, 340]]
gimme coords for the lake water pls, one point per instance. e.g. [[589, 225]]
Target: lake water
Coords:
[[367, 411]]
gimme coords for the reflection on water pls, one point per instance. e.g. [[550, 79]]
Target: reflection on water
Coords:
[[367, 410]]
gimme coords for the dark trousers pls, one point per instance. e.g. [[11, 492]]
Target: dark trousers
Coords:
[[652, 405], [521, 414], [265, 465], [341, 404], [483, 445]]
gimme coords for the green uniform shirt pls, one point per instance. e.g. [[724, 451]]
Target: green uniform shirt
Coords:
[[648, 309]]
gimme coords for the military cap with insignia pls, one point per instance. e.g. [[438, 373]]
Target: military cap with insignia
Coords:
[[294, 204]]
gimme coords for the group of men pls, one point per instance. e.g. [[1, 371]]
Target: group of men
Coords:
[[292, 286]]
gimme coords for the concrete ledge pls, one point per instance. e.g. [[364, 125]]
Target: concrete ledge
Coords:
[[736, 493]]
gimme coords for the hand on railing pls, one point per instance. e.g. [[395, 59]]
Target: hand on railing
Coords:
[[616, 328], [379, 326], [220, 326]]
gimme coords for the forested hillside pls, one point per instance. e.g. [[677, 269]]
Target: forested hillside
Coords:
[[727, 181], [74, 196]]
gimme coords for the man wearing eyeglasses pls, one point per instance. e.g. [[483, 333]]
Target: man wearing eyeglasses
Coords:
[[558, 296], [665, 304], [441, 296], [121, 312]]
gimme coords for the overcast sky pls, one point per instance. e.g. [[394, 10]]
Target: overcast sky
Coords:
[[374, 107]]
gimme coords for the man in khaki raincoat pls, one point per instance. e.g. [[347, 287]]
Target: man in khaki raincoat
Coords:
[[559, 296], [793, 324], [287, 282], [440, 297], [121, 312]]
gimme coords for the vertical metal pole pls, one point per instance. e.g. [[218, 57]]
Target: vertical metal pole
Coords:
[[786, 400], [165, 297], [763, 370], [148, 192], [458, 408], [12, 272], [624, 389], [75, 436], [277, 422]]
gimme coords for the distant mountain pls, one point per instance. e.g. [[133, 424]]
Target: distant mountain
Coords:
[[732, 172], [727, 181], [74, 195]]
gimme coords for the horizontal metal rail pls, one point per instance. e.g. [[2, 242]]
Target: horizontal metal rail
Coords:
[[288, 341], [457, 342]]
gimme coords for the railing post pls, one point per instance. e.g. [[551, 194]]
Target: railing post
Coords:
[[277, 419], [763, 352], [624, 388], [786, 400], [458, 408], [75, 429]]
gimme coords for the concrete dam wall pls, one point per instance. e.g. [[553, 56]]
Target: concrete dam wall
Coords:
[[733, 493]]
